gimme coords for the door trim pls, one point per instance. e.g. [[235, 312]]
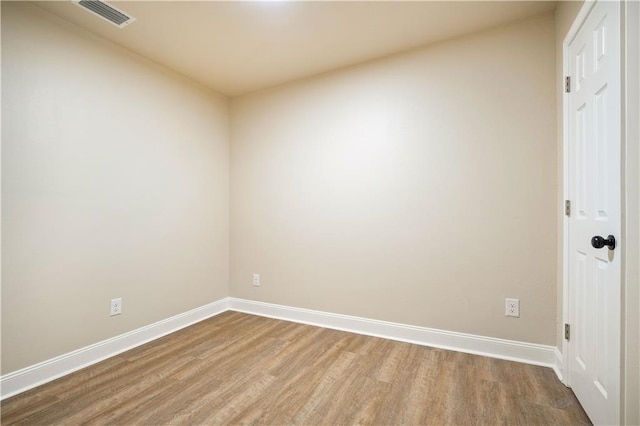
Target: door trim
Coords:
[[631, 220]]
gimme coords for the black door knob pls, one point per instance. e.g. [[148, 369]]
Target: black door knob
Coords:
[[599, 242]]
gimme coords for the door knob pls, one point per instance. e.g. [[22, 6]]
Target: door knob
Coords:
[[599, 242]]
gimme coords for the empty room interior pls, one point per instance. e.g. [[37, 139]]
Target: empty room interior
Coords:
[[282, 212]]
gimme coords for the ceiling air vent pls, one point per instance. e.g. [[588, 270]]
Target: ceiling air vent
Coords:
[[106, 12]]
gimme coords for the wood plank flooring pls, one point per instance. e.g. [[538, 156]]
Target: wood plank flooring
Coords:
[[243, 369]]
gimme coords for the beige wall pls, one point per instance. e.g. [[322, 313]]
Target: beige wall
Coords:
[[419, 189], [114, 184]]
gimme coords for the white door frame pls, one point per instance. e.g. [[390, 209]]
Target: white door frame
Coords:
[[630, 217], [630, 200]]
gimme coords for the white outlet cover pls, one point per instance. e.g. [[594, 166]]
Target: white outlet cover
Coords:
[[256, 280], [116, 306], [512, 308]]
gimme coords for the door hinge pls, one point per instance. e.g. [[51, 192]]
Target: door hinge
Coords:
[[567, 331], [567, 84], [567, 207]]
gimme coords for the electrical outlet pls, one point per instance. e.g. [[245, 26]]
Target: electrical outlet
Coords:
[[256, 280], [512, 308], [116, 306]]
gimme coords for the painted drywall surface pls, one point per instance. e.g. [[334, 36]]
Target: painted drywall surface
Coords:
[[114, 184], [419, 189], [565, 14]]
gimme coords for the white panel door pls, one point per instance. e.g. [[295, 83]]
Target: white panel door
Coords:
[[594, 191]]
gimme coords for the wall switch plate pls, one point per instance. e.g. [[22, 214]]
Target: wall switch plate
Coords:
[[256, 280], [512, 308], [116, 306]]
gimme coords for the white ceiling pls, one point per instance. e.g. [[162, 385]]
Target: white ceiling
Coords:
[[236, 47]]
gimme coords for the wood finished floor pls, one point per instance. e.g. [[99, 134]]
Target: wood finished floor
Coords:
[[243, 369]]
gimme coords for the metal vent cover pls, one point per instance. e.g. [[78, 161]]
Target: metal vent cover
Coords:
[[107, 12]]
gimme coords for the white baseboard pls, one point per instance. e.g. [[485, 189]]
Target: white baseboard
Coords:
[[558, 365], [38, 374], [528, 353]]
